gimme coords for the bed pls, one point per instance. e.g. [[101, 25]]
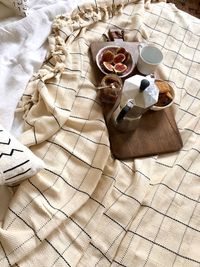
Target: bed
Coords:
[[84, 207]]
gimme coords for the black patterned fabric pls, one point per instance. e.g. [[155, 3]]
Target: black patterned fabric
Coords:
[[17, 162]]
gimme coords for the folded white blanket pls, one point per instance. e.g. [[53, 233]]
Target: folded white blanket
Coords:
[[22, 48]]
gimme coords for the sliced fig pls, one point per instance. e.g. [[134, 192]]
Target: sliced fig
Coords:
[[120, 68], [128, 56], [121, 50], [119, 58], [108, 66], [108, 56]]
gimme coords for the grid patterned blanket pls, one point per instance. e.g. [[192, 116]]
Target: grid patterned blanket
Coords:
[[87, 208]]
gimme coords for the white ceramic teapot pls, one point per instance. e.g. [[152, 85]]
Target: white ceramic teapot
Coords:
[[138, 95]]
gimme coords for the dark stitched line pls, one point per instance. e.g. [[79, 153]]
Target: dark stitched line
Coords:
[[193, 173], [11, 153], [185, 230], [124, 194], [110, 177], [115, 222], [190, 130], [96, 6], [169, 35], [50, 63], [128, 166], [135, 171], [179, 193], [76, 117], [55, 98], [119, 263], [185, 74], [169, 217], [32, 237], [27, 95], [68, 36], [75, 70], [164, 215], [182, 88], [61, 211], [88, 98], [60, 29], [5, 254], [35, 233], [96, 168], [164, 18], [13, 186], [21, 173], [100, 252], [18, 246], [153, 242], [60, 255], [148, 26], [188, 59], [88, 222], [187, 150], [6, 143], [162, 246], [21, 164], [61, 86], [78, 7], [77, 189], [186, 111], [82, 229], [77, 53], [56, 120], [82, 136], [34, 134], [66, 109], [192, 102], [29, 124]]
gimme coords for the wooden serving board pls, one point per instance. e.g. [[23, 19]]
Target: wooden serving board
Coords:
[[157, 132]]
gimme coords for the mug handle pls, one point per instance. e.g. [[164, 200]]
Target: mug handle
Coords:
[[140, 46]]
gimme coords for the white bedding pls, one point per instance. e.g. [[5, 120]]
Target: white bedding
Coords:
[[25, 38], [22, 50]]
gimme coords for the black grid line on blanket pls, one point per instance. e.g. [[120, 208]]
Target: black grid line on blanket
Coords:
[[85, 208]]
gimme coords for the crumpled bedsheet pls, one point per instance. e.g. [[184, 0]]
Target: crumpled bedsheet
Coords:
[[23, 50], [87, 208]]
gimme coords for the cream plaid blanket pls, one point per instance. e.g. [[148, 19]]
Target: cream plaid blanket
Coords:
[[86, 208]]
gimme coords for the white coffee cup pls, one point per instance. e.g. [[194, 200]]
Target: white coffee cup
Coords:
[[149, 58]]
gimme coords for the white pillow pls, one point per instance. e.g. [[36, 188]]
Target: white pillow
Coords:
[[17, 161], [20, 6]]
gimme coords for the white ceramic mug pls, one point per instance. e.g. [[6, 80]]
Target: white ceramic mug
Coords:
[[149, 58]]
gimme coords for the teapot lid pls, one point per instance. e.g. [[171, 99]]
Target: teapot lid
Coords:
[[144, 84], [142, 90]]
